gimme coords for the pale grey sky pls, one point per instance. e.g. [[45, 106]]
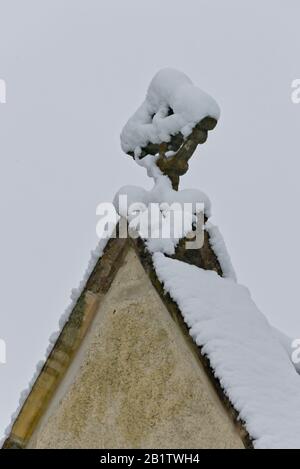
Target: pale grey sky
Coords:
[[75, 70]]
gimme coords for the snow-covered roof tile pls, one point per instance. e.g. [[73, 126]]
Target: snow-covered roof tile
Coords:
[[252, 366]]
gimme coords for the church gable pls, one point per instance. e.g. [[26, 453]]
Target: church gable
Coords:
[[161, 347], [136, 381]]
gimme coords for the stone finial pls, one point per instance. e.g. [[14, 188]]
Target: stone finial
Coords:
[[172, 121]]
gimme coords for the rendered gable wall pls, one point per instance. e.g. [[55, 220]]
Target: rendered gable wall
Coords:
[[136, 381]]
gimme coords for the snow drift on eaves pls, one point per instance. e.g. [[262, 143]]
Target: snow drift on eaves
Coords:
[[251, 365]]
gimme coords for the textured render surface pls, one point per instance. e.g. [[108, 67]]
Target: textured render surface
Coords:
[[136, 381]]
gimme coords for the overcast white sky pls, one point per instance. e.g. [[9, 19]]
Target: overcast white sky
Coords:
[[75, 71]]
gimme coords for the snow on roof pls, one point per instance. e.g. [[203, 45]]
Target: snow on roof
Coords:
[[172, 105], [251, 361], [253, 368], [218, 245], [246, 354]]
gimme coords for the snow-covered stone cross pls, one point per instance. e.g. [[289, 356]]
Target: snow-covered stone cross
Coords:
[[172, 121]]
